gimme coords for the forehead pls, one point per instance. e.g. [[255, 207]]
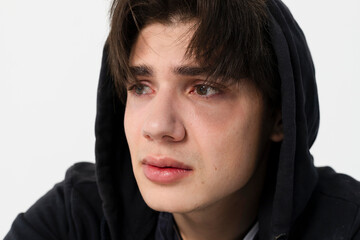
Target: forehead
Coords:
[[159, 41], [164, 48]]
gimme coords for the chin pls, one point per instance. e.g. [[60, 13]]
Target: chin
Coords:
[[167, 199], [164, 206]]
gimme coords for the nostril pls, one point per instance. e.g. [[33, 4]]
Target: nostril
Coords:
[[147, 137], [162, 123], [170, 134], [168, 138]]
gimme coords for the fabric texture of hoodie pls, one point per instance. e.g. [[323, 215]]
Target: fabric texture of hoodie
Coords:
[[299, 201]]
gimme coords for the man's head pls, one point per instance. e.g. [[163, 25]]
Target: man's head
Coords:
[[230, 39], [197, 110]]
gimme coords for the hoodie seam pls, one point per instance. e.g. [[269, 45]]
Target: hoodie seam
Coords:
[[357, 204]]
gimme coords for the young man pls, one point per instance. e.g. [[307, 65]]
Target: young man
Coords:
[[206, 113]]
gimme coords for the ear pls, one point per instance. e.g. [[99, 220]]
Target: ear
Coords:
[[277, 133]]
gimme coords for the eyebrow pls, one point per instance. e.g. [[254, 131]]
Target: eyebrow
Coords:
[[184, 70], [141, 70], [189, 70]]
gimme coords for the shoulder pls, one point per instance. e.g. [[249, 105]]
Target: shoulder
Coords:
[[82, 172], [81, 179], [338, 186], [72, 208], [81, 187], [333, 211]]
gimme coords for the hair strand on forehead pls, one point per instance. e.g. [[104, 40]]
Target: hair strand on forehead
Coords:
[[230, 39]]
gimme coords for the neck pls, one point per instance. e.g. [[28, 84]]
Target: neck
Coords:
[[230, 218]]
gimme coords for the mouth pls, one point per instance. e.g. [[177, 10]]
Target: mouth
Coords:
[[164, 170]]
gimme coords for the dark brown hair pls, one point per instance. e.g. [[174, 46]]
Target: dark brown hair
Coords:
[[231, 39]]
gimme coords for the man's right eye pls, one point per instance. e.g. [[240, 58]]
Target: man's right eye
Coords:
[[140, 89]]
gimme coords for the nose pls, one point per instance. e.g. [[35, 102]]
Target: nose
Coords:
[[163, 122]]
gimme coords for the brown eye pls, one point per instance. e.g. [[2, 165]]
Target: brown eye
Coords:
[[205, 90]]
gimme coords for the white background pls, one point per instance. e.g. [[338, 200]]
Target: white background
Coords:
[[50, 54]]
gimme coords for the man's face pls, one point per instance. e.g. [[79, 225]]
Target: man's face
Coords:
[[192, 144]]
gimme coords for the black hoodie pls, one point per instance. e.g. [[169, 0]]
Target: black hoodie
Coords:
[[299, 201]]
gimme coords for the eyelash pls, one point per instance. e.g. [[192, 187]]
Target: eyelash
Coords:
[[138, 90], [207, 87], [137, 86]]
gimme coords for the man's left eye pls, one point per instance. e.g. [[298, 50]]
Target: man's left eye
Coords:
[[205, 90]]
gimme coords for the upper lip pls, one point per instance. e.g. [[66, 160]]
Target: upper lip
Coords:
[[163, 162]]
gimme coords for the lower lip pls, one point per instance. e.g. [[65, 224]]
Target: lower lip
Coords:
[[165, 175]]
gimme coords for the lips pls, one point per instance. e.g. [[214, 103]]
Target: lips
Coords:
[[164, 170]]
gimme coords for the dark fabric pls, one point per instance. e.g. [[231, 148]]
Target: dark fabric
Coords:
[[296, 175], [299, 201], [71, 210], [166, 228]]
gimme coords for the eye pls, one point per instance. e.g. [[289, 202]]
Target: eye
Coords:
[[206, 90], [140, 89]]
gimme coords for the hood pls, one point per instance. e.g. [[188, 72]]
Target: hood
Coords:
[[289, 185]]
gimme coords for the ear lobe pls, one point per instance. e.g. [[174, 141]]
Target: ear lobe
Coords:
[[277, 133]]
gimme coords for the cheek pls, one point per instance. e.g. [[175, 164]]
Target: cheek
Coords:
[[233, 155], [229, 142], [132, 126], [127, 126]]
